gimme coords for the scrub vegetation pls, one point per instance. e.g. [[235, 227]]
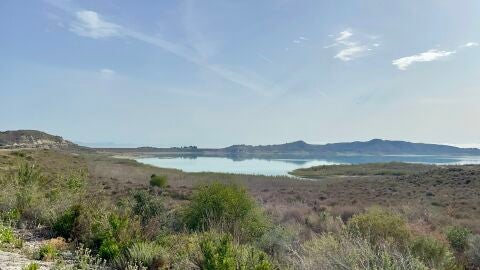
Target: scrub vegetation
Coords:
[[117, 214]]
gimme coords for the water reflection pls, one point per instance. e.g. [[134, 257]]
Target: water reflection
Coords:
[[283, 165]]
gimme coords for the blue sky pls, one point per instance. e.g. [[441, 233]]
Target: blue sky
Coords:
[[215, 73]]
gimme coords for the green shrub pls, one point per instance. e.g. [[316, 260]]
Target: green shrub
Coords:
[[224, 208], [47, 252], [31, 266], [432, 252], [10, 216], [277, 241], [220, 253], [158, 181], [251, 258], [457, 237], [380, 226], [109, 249], [84, 260], [473, 252], [144, 254], [8, 237], [147, 206], [27, 179], [346, 251], [65, 223]]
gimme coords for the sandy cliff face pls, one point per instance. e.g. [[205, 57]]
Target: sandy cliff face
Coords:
[[31, 139]]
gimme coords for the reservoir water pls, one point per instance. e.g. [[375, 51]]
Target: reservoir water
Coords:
[[281, 167]]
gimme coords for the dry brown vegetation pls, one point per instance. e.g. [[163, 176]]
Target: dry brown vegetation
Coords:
[[435, 207], [451, 194]]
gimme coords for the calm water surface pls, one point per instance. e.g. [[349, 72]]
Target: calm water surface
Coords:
[[277, 167]]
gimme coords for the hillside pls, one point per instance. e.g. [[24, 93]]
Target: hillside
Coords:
[[32, 139], [303, 149]]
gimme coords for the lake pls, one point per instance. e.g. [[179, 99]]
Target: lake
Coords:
[[281, 167]]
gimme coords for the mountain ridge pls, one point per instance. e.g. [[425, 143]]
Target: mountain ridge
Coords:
[[38, 139]]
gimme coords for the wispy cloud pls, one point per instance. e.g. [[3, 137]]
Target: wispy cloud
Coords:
[[107, 72], [349, 49], [351, 52], [469, 44], [90, 24], [428, 56], [300, 39], [344, 35]]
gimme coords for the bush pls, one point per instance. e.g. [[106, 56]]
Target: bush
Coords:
[[84, 260], [147, 206], [379, 226], [432, 252], [47, 252], [8, 237], [457, 237], [31, 266], [277, 242], [146, 254], [27, 179], [473, 252], [109, 249], [158, 181], [346, 251], [225, 208], [33, 199], [219, 252], [65, 223]]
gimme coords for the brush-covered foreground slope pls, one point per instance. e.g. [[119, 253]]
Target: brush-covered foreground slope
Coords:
[[449, 192]]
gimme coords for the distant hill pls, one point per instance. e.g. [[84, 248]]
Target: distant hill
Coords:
[[372, 147], [32, 139], [301, 149]]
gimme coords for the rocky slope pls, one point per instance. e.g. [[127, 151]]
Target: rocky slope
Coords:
[[32, 139]]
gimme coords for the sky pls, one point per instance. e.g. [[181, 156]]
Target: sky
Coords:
[[215, 73]]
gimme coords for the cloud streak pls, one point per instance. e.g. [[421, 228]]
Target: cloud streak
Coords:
[[90, 24], [428, 56], [348, 48], [469, 44]]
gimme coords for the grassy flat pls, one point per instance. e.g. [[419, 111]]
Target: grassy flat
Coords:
[[370, 169]]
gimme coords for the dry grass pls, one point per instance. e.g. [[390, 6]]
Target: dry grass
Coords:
[[451, 195]]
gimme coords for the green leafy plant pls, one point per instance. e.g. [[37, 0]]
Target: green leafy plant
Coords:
[[8, 237], [380, 226], [47, 252], [218, 253], [65, 223], [158, 181], [473, 252], [109, 249], [347, 251], [225, 208], [31, 266], [432, 252], [458, 238], [145, 254], [147, 206]]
